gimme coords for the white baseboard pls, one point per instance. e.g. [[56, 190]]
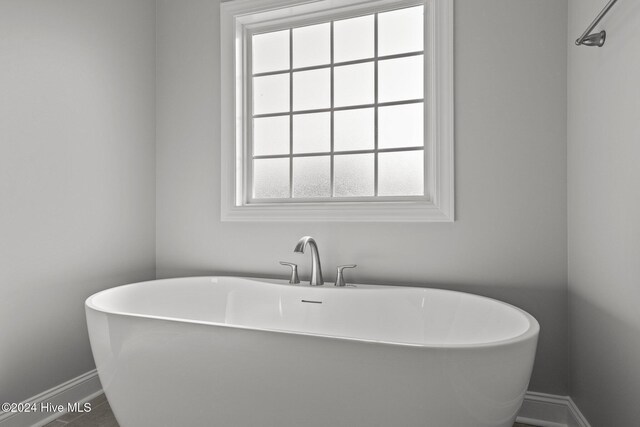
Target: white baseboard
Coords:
[[549, 410], [80, 389], [538, 409]]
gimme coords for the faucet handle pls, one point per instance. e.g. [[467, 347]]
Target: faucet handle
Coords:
[[340, 275], [294, 280]]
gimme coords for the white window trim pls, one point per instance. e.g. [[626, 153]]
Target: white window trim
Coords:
[[237, 17]]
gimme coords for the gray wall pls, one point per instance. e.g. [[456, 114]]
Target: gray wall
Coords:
[[509, 240], [76, 176], [604, 214]]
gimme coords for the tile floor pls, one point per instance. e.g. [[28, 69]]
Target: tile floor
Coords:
[[101, 416]]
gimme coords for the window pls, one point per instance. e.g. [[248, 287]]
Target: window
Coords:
[[337, 113]]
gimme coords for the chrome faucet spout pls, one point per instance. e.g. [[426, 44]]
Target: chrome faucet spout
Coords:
[[316, 269]]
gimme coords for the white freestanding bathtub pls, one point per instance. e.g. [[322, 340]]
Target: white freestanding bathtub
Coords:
[[240, 352]]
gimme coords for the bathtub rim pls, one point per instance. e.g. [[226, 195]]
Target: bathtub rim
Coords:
[[532, 332]]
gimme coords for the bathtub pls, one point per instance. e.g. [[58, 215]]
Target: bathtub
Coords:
[[241, 352]]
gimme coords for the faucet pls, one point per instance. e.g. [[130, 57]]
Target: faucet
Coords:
[[316, 270]]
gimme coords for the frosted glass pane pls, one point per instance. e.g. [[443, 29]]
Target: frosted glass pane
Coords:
[[401, 174], [401, 31], [354, 129], [271, 94], [312, 45], [401, 126], [311, 89], [401, 79], [353, 85], [312, 133], [353, 39], [270, 178], [271, 136], [312, 177], [270, 52], [354, 175]]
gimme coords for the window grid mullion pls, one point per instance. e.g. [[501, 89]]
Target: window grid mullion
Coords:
[[331, 149], [337, 153], [375, 101], [345, 108], [290, 113], [340, 64]]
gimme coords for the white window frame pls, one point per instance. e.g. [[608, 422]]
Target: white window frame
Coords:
[[240, 18]]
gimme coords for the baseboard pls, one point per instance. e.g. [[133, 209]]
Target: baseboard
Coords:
[[538, 409], [579, 418], [548, 410], [80, 389]]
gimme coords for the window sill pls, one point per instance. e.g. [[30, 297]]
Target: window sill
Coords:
[[341, 212]]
